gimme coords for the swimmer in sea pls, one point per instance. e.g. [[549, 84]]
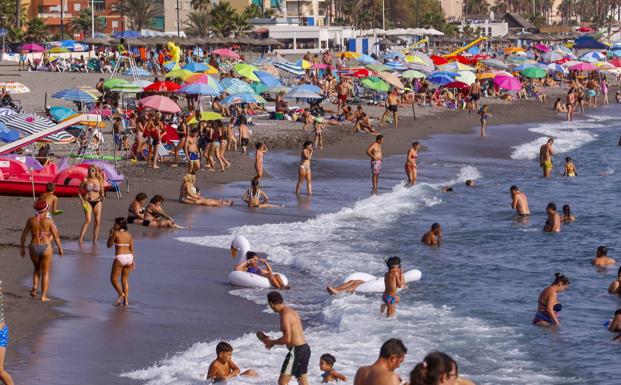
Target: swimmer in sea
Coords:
[[519, 202], [548, 307], [553, 223], [326, 365], [393, 280], [410, 163], [601, 258], [255, 197], [615, 286], [567, 217], [570, 168], [469, 183], [545, 157], [433, 237], [251, 265], [382, 371], [615, 325], [374, 151], [223, 368]]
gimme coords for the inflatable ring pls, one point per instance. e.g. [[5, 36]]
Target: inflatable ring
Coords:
[[373, 284], [254, 281]]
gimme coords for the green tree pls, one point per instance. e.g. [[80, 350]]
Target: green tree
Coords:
[[241, 24], [139, 12], [252, 11], [82, 22], [223, 19], [8, 9], [476, 7], [15, 35], [36, 30], [200, 4], [197, 23]]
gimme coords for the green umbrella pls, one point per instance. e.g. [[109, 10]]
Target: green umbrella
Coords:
[[378, 67], [58, 50], [127, 88], [259, 88], [246, 71], [112, 83], [375, 84], [534, 72], [413, 74]]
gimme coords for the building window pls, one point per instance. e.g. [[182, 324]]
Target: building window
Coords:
[[99, 5], [77, 7], [115, 24]]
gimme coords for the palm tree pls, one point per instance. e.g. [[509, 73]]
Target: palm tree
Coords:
[[222, 18], [241, 24], [82, 22], [139, 12], [10, 9], [36, 30], [200, 4], [197, 23]]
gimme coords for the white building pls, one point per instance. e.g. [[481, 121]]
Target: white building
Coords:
[[302, 39], [487, 27]]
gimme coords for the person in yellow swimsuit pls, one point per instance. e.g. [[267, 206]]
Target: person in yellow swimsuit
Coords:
[[570, 168]]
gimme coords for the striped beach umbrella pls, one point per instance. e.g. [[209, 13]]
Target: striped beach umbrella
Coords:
[[30, 124], [137, 72], [495, 63], [5, 111], [235, 86], [206, 79], [417, 57], [551, 56], [7, 135], [244, 97], [74, 95]]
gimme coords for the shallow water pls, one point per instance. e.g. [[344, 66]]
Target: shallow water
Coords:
[[479, 290]]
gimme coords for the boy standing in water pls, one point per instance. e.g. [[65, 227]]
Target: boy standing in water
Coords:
[[393, 280], [223, 368]]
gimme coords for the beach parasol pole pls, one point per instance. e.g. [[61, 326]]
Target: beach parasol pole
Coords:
[[32, 184]]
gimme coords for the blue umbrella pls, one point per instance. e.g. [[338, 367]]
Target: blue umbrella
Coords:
[[75, 95], [199, 89], [396, 66], [291, 68], [366, 59], [170, 65], [445, 73], [440, 78], [554, 67], [309, 87], [593, 57], [61, 113], [244, 97], [268, 79], [234, 86], [524, 66], [195, 67], [126, 34], [138, 72], [394, 55], [7, 135], [302, 93]]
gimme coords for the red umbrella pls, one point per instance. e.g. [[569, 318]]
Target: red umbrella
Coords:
[[616, 62], [438, 60], [170, 134], [361, 73], [165, 86], [464, 60], [160, 103], [585, 29], [226, 52], [456, 84]]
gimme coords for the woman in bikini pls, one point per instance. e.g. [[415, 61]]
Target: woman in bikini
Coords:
[[410, 163], [189, 194], [91, 197], [219, 144], [135, 213], [154, 213], [123, 264], [182, 133], [255, 197], [548, 308], [42, 231], [304, 170]]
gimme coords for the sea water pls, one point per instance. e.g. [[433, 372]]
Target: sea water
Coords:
[[478, 293]]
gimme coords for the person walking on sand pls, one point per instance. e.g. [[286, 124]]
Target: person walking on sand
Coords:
[[374, 151], [192, 152], [484, 113], [91, 197], [382, 371], [123, 263], [410, 163], [296, 361], [304, 170], [545, 157], [392, 105], [5, 377], [42, 231], [547, 304], [553, 223], [475, 94], [258, 159], [519, 202]]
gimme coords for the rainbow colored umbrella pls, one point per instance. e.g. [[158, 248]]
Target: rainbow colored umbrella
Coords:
[[205, 79]]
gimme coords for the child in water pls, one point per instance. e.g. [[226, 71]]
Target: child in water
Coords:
[[326, 365], [393, 280], [570, 168], [223, 368]]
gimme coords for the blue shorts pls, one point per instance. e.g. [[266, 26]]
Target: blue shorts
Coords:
[[4, 336], [194, 156], [389, 299]]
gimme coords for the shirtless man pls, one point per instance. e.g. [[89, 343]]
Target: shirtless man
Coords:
[[553, 223], [50, 198], [341, 90], [545, 157], [192, 152], [244, 134], [475, 94], [375, 153], [392, 105], [602, 259], [393, 280], [258, 160], [296, 361], [410, 163], [382, 372], [519, 202], [433, 237]]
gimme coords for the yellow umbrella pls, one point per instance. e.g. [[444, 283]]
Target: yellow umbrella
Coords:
[[58, 50], [207, 116], [305, 64], [99, 124], [486, 75], [509, 50], [179, 74], [349, 55], [211, 71], [414, 59], [391, 79], [172, 64]]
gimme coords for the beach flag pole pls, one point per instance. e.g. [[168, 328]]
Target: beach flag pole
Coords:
[[413, 111]]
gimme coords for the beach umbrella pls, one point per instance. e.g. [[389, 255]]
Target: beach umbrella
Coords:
[[502, 73], [614, 53], [557, 68], [205, 79], [419, 57], [247, 71], [397, 65], [142, 83], [268, 79], [486, 75], [467, 77], [6, 111], [551, 56], [377, 67], [602, 65], [440, 78], [309, 87], [446, 73], [438, 60], [495, 63], [541, 48], [394, 55], [391, 79], [179, 74], [234, 86], [58, 50], [616, 62], [32, 47], [137, 71], [14, 87], [359, 73], [29, 124], [206, 116], [348, 55], [523, 66], [126, 34], [162, 86], [111, 83], [457, 84], [171, 66], [195, 67], [269, 68], [534, 72], [583, 67], [203, 89], [455, 67], [290, 68], [516, 59], [74, 95], [413, 74], [507, 83], [422, 68], [375, 84], [592, 57], [61, 113], [226, 52], [7, 135], [127, 88], [304, 64], [244, 97], [160, 103], [510, 50], [302, 93], [366, 59]]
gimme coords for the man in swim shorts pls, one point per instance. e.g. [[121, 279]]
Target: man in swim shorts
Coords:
[[296, 361], [545, 157], [393, 280], [392, 105], [341, 90], [374, 151], [382, 372], [192, 152], [519, 202]]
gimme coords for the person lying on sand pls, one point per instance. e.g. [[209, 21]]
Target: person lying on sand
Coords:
[[154, 213], [190, 195], [223, 368]]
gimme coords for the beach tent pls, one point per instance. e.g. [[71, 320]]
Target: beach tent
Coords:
[[30, 124]]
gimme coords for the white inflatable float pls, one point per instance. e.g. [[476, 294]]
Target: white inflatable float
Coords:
[[245, 279], [373, 284]]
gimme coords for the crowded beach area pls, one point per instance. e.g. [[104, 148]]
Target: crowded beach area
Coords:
[[185, 211]]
